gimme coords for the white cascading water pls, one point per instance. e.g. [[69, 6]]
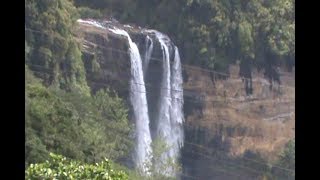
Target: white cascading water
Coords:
[[170, 117], [143, 152], [170, 113], [176, 111], [164, 125], [90, 22], [148, 53]]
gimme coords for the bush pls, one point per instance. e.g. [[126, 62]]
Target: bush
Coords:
[[59, 167], [287, 157], [286, 160], [86, 12]]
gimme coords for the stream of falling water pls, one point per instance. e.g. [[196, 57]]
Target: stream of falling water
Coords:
[[143, 151]]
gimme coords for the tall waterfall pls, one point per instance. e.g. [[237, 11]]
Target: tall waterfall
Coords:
[[176, 112], [143, 151], [169, 118]]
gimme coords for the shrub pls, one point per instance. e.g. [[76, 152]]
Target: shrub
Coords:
[[59, 167]]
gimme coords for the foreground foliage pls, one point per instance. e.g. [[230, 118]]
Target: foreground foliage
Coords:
[[59, 167], [86, 128]]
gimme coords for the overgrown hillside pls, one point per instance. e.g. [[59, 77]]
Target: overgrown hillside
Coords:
[[62, 114]]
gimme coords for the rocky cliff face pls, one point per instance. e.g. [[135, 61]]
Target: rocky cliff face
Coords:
[[106, 61], [219, 115], [261, 122], [239, 128]]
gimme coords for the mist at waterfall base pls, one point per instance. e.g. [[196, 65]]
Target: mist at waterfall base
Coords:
[[168, 118]]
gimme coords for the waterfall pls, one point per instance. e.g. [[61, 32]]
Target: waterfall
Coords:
[[164, 125], [177, 102], [143, 151], [148, 53], [90, 22], [169, 118]]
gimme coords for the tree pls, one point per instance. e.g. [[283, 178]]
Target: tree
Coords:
[[215, 33], [86, 128], [287, 157], [51, 46], [287, 161]]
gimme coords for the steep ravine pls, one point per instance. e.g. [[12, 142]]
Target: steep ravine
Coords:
[[219, 117]]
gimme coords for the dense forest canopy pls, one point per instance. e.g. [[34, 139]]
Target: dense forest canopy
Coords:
[[209, 33], [215, 33]]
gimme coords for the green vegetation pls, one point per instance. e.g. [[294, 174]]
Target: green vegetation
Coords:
[[76, 126], [215, 33], [86, 12], [157, 168], [59, 167], [287, 161], [55, 49], [64, 116], [159, 147], [283, 168], [287, 157]]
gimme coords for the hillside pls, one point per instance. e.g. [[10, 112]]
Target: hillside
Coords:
[[235, 124], [186, 89]]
